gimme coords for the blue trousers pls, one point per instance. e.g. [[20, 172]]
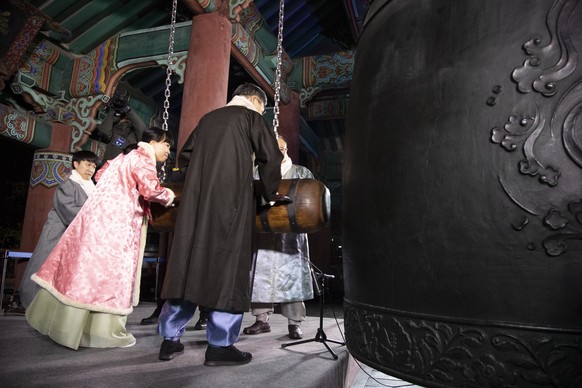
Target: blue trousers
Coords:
[[223, 329]]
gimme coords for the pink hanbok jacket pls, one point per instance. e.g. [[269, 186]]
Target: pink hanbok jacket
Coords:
[[96, 265]]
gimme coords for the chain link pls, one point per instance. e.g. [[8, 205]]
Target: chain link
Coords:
[[169, 70], [277, 96], [162, 173]]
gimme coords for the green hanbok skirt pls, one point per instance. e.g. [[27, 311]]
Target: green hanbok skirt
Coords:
[[73, 327]]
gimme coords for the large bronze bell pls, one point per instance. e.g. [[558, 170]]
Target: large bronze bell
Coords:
[[307, 213], [462, 193]]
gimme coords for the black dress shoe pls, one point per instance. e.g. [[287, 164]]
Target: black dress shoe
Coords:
[[294, 332], [219, 356], [170, 349], [14, 309], [149, 321], [201, 324], [257, 328], [153, 319]]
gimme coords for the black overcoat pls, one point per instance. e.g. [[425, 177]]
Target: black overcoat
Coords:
[[210, 257]]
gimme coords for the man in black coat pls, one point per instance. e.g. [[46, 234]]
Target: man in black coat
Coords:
[[210, 257]]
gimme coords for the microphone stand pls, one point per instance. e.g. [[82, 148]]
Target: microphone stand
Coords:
[[320, 336]]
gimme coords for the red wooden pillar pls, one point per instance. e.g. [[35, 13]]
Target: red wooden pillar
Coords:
[[289, 125], [289, 128], [206, 77]]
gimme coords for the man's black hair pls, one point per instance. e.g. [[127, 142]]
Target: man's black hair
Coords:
[[251, 90], [83, 155], [157, 134]]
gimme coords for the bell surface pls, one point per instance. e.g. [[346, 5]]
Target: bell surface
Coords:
[[462, 193]]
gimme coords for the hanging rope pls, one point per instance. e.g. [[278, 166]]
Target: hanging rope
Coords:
[[169, 70], [277, 96]]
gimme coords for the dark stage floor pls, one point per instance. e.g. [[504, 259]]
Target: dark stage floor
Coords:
[[30, 359]]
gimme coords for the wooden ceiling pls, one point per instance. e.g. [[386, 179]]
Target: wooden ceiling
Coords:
[[311, 27]]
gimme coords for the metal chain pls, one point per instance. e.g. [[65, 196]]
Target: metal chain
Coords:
[[277, 96], [169, 70], [162, 174]]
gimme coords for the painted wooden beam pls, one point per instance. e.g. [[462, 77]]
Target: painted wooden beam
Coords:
[[103, 27]]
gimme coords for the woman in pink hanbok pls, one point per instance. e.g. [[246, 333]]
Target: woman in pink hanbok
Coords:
[[90, 281]]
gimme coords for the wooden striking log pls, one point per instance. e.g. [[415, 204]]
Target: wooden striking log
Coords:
[[309, 212], [164, 218]]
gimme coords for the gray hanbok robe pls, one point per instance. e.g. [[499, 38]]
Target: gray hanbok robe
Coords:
[[68, 200], [282, 270]]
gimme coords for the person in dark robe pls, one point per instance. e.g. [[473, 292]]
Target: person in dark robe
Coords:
[[210, 257]]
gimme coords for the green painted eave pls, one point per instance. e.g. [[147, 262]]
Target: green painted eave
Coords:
[[131, 44], [24, 128]]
